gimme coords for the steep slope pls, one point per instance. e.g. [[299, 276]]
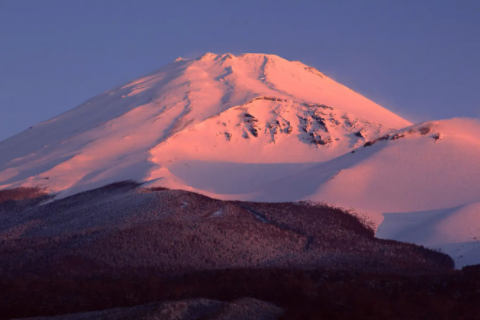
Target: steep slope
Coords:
[[128, 132], [424, 179]]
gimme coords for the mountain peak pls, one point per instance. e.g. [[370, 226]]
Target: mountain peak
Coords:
[[257, 127], [207, 56], [250, 108]]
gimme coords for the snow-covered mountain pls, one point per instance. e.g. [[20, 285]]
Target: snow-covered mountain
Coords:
[[420, 184], [253, 108], [259, 127]]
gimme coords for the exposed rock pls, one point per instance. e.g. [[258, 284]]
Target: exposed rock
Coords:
[[313, 105], [398, 136], [320, 140], [250, 122], [314, 71], [424, 130], [359, 134], [321, 121], [372, 142], [317, 124]]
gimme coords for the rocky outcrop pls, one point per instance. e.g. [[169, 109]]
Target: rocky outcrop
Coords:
[[422, 130]]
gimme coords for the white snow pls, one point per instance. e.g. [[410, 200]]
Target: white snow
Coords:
[[455, 231], [138, 130], [428, 190], [217, 213], [259, 127]]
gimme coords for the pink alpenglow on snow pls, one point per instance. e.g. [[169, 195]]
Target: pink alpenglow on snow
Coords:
[[248, 109], [259, 127]]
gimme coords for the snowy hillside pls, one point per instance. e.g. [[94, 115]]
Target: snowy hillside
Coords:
[[258, 127], [424, 180], [125, 132]]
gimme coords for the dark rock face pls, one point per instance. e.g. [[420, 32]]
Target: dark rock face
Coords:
[[424, 130], [314, 71], [316, 127], [321, 106], [318, 124], [251, 123], [400, 135], [372, 142], [319, 140]]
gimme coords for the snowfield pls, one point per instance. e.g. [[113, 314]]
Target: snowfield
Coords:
[[260, 128], [419, 188]]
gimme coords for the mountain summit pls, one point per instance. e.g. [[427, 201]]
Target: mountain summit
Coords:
[[257, 127], [251, 110]]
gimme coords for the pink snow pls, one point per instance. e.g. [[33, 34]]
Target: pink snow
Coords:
[[259, 127]]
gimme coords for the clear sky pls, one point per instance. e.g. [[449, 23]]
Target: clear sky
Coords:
[[420, 59]]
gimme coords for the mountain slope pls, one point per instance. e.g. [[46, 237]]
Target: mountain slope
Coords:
[[425, 181], [123, 245], [127, 132], [260, 128], [455, 231]]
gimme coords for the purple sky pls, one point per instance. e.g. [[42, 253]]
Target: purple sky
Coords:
[[419, 59]]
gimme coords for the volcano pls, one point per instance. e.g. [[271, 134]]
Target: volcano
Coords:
[[257, 127]]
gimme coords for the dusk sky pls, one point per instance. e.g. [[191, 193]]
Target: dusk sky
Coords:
[[419, 59]]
